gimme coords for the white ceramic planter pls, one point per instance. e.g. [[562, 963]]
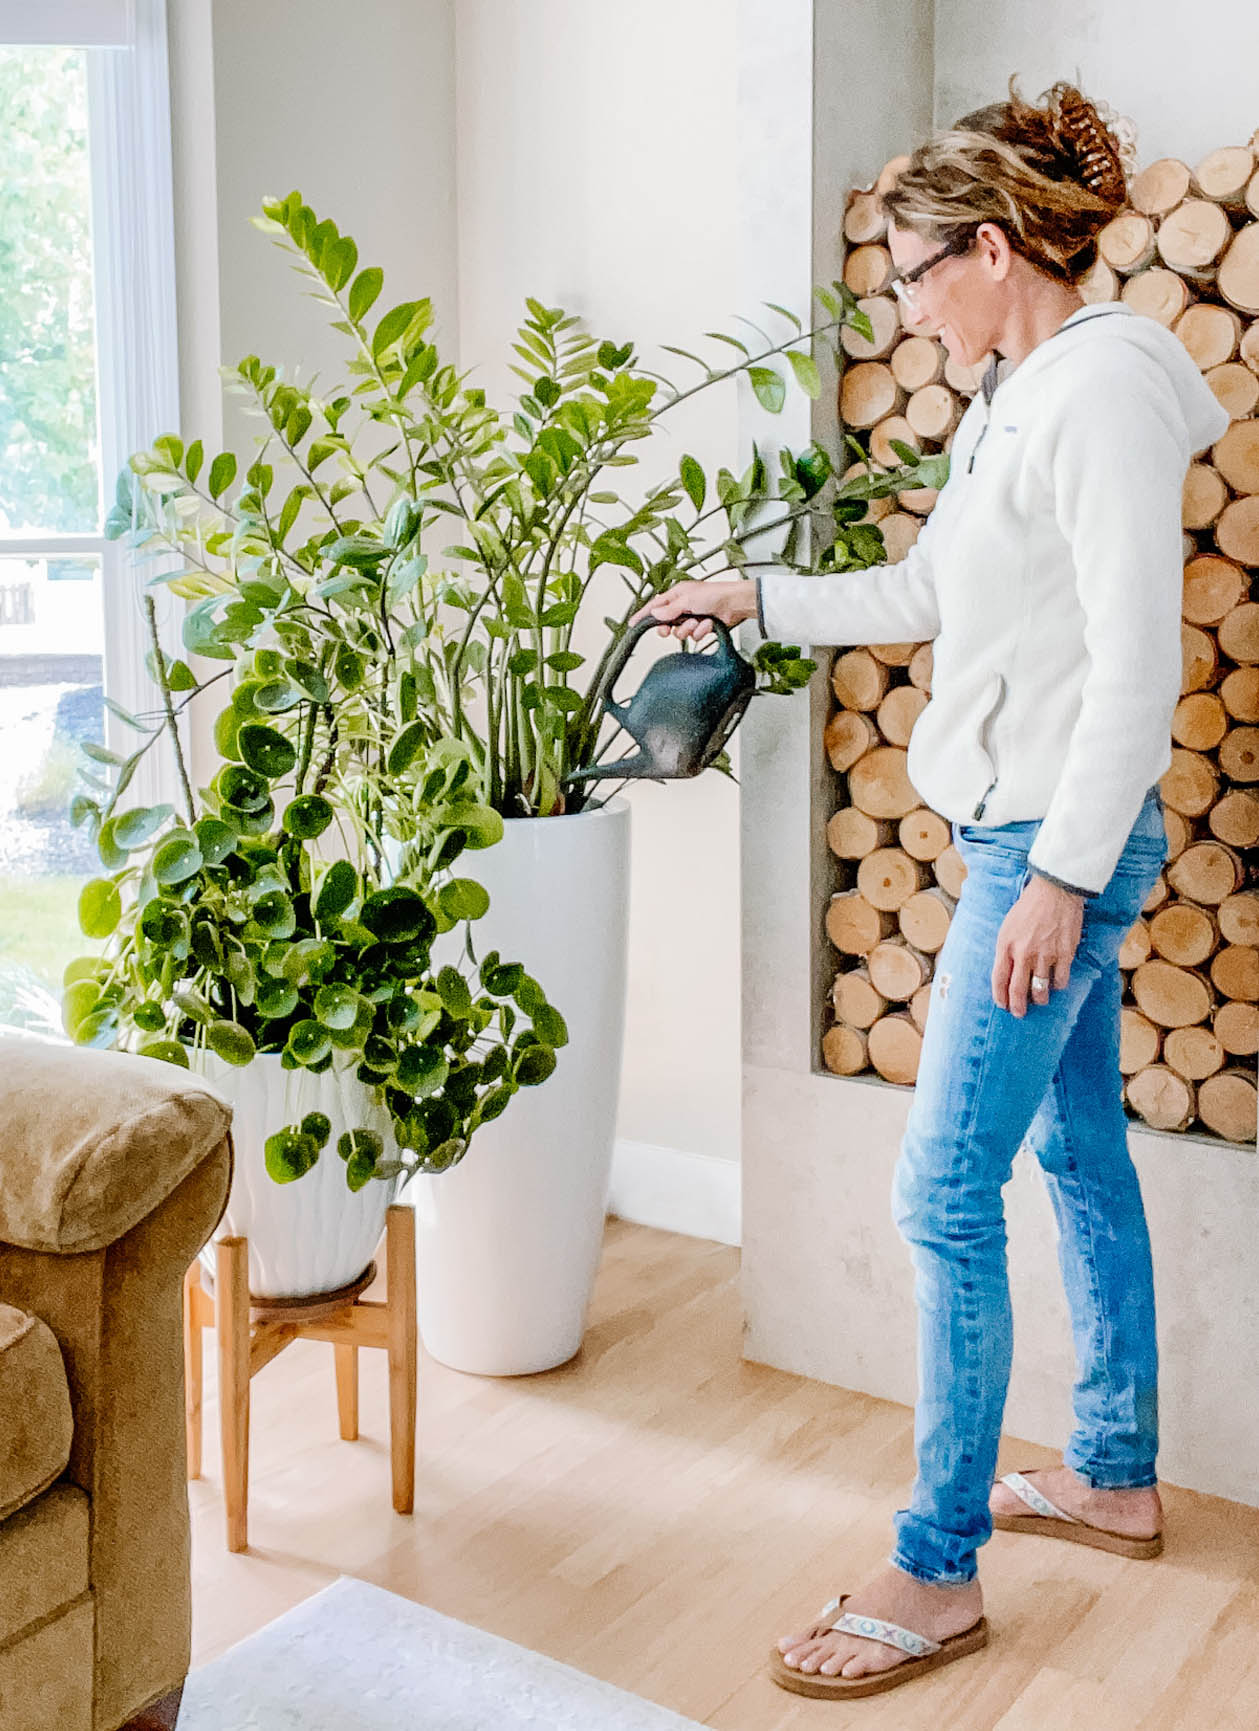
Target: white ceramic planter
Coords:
[[508, 1241], [315, 1234]]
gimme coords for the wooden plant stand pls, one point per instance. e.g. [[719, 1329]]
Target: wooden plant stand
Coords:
[[252, 1331]]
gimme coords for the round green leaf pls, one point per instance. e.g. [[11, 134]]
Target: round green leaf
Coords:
[[337, 891], [421, 1070], [454, 993], [169, 1051], [163, 925], [275, 999], [289, 1155], [463, 899], [317, 1126], [397, 915], [337, 1006], [227, 727], [215, 838], [308, 959], [550, 1026], [534, 1065], [100, 908], [78, 1003], [307, 816], [84, 968], [362, 1142], [492, 1103], [113, 857], [358, 1170], [241, 789], [266, 750], [177, 859], [268, 663], [133, 828], [277, 696], [233, 1043], [150, 1018], [309, 1042], [350, 667], [274, 913]]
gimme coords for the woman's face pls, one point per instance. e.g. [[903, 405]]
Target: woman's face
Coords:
[[961, 299]]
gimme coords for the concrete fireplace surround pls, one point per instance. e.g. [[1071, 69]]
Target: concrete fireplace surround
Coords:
[[818, 1150]]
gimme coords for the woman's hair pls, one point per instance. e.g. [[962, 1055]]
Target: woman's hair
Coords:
[[1052, 177]]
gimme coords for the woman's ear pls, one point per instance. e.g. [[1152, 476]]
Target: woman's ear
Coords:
[[995, 248]]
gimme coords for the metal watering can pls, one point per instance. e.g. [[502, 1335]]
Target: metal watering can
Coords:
[[683, 712]]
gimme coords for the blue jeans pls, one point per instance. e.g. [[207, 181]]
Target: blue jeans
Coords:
[[987, 1081]]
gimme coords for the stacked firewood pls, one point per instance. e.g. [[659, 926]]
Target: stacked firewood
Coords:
[[1186, 252]]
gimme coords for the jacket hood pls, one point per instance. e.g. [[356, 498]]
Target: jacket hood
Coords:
[[1204, 418]]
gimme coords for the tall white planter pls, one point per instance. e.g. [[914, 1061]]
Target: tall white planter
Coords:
[[315, 1234], [508, 1241]]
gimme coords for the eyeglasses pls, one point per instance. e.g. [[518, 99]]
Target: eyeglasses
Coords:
[[905, 283]]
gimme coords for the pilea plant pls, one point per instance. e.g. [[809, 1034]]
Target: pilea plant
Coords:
[[228, 929]]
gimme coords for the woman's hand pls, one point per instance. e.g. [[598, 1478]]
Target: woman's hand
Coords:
[[729, 602], [1039, 935]]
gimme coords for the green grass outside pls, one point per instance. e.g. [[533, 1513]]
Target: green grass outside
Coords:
[[39, 926]]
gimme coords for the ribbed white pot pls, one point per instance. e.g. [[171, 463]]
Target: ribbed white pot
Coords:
[[315, 1234], [508, 1241]]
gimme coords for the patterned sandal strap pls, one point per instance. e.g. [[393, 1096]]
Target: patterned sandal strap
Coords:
[[875, 1629], [1040, 1505]]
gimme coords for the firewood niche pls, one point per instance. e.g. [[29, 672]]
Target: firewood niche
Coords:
[[1186, 252]]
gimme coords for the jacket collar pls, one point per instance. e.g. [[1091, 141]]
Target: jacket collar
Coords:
[[1079, 317]]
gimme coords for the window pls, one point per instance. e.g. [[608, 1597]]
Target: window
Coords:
[[87, 374]]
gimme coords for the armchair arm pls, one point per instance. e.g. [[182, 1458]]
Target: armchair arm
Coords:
[[92, 1142]]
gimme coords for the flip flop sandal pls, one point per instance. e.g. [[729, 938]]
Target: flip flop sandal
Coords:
[[1055, 1523], [927, 1655]]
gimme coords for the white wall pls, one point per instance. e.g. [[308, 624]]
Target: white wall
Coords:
[[1189, 89], [596, 152]]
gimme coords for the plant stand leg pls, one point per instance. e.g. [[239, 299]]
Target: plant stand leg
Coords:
[[347, 1391], [193, 1365], [231, 1315], [401, 1334]]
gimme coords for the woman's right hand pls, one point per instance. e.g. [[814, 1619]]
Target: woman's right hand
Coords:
[[730, 602]]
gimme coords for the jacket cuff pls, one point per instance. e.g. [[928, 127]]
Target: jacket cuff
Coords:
[[1062, 884], [760, 608]]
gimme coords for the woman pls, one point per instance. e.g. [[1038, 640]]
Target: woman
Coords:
[[1049, 576]]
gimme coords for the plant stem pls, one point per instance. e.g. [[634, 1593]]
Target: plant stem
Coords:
[[159, 662]]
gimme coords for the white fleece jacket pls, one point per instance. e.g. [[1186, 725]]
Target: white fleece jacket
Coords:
[[1050, 576]]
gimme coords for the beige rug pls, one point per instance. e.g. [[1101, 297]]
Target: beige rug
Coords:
[[356, 1658]]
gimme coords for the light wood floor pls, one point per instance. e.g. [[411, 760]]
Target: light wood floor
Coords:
[[659, 1510]]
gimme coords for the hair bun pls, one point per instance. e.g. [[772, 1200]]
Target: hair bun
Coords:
[[1081, 131]]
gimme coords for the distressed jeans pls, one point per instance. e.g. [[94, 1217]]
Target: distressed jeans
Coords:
[[989, 1081]]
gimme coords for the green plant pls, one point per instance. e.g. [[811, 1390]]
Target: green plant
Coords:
[[227, 927], [344, 524]]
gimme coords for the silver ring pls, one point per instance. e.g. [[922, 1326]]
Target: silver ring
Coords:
[[1039, 984]]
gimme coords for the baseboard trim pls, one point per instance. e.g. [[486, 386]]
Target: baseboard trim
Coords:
[[676, 1190]]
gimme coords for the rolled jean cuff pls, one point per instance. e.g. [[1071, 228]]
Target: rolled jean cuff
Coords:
[[1111, 1478], [947, 1580]]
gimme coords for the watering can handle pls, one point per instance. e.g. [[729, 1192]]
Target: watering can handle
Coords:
[[625, 648]]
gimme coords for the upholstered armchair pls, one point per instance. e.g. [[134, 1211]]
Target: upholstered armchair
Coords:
[[114, 1171]]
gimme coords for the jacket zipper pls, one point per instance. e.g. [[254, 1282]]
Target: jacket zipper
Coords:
[[988, 719]]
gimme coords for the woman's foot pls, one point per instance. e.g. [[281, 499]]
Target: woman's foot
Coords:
[[1136, 1511], [895, 1597]]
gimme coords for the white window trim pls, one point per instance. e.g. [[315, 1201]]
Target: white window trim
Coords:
[[133, 243], [133, 253]]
